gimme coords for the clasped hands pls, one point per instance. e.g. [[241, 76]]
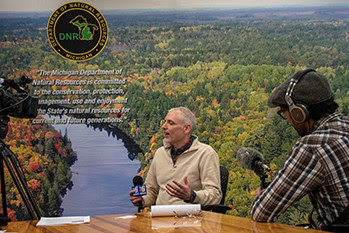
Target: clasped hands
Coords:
[[175, 190]]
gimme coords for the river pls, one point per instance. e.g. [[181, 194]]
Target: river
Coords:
[[102, 175]]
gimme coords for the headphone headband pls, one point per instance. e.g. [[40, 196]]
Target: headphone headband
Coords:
[[298, 112], [295, 79]]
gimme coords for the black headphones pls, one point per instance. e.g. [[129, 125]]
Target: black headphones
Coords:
[[298, 112]]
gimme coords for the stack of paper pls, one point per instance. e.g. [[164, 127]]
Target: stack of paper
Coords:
[[51, 221]]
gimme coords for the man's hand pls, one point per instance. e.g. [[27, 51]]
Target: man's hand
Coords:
[[258, 191], [181, 191], [135, 200]]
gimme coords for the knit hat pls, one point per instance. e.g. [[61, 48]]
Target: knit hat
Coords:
[[312, 88]]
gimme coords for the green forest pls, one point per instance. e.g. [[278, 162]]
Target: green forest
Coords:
[[220, 64]]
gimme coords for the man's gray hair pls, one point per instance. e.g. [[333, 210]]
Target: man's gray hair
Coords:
[[188, 116]]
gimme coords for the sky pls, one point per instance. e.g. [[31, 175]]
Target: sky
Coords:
[[51, 5]]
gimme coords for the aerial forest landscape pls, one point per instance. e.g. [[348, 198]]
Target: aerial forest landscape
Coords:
[[220, 63]]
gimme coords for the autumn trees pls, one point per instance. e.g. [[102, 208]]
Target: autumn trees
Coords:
[[46, 157], [222, 68]]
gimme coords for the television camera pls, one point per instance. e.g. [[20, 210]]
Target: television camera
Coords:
[[15, 100]]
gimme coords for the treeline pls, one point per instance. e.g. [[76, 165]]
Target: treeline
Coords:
[[139, 47]]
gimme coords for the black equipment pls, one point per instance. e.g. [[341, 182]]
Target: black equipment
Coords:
[[298, 111], [15, 100], [138, 183], [253, 160]]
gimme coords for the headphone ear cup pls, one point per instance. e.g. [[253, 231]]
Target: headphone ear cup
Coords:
[[299, 113]]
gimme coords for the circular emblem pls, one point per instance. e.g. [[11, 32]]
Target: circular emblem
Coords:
[[77, 31]]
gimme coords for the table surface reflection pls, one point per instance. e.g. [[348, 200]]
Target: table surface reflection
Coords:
[[208, 222]]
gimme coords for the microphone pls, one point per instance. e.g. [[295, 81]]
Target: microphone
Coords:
[[253, 160], [140, 190]]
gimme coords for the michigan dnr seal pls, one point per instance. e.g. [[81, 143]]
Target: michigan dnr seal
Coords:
[[77, 31]]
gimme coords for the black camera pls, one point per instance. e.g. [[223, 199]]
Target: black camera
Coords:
[[15, 99]]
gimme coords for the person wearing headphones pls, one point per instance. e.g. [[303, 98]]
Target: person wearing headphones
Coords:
[[318, 164]]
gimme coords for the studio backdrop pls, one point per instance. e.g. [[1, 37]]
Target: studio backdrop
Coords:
[[85, 87]]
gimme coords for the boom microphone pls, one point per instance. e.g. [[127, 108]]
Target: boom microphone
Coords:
[[252, 159], [140, 190]]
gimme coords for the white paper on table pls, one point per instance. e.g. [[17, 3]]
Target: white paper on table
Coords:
[[126, 217], [175, 210], [51, 221]]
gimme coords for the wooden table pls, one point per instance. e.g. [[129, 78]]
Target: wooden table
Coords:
[[209, 222]]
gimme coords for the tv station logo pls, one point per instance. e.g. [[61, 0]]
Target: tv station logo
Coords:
[[77, 31]]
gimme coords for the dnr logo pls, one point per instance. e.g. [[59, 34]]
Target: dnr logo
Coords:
[[77, 31]]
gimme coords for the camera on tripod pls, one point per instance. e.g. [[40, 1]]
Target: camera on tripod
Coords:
[[15, 99]]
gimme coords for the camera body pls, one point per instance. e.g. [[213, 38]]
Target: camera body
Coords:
[[15, 99]]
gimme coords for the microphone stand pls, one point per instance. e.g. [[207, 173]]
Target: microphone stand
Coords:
[[264, 184], [262, 177]]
